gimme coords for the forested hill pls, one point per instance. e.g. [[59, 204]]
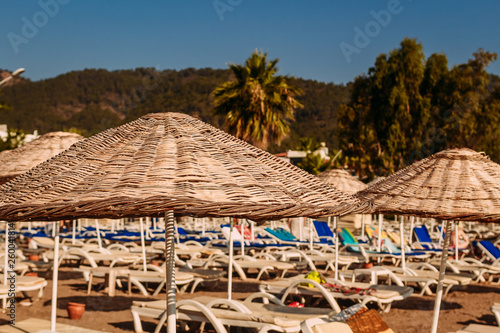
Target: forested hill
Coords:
[[93, 100]]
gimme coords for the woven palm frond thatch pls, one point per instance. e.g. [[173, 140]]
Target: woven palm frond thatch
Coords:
[[18, 161], [167, 161], [342, 180], [455, 184], [375, 180]]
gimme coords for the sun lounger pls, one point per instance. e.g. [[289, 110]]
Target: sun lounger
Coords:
[[408, 277], [315, 257], [428, 270], [243, 265], [351, 244], [490, 251], [41, 242], [356, 318], [273, 316], [365, 293], [185, 277], [284, 237], [27, 283], [323, 232], [138, 278]]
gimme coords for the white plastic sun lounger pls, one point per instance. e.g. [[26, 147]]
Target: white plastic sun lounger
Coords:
[[383, 295], [223, 312]]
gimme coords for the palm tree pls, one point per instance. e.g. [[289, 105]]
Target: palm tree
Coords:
[[258, 105]]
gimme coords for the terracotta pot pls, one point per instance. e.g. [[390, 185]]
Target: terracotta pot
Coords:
[[368, 265], [75, 310], [31, 274], [34, 257]]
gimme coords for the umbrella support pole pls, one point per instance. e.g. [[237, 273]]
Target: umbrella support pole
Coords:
[[402, 242], [170, 270], [363, 227], [335, 223], [230, 263], [439, 291], [55, 277]]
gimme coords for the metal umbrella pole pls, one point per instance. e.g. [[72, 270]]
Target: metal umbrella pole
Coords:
[[230, 264], [402, 242], [442, 270], [379, 245], [335, 223], [143, 246], [98, 233], [170, 270], [363, 227], [55, 278], [73, 232]]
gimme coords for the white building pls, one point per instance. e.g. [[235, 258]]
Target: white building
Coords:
[[4, 134], [295, 156]]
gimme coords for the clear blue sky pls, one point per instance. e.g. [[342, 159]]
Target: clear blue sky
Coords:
[[305, 35]]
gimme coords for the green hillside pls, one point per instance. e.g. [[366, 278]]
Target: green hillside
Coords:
[[93, 100]]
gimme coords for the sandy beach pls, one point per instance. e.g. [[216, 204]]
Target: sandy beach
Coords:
[[463, 306]]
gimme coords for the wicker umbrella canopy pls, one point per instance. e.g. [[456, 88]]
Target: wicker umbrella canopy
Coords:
[[17, 161], [454, 184], [342, 180], [162, 162]]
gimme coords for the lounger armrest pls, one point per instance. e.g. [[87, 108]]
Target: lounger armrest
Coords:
[[232, 305], [266, 298]]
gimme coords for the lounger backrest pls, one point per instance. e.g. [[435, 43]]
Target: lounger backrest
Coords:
[[372, 232], [322, 229], [181, 231], [236, 234], [347, 237], [491, 248], [422, 234], [389, 245], [282, 234]]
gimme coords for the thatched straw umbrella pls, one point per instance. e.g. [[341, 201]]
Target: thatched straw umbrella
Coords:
[[342, 180], [166, 163], [455, 184], [17, 161]]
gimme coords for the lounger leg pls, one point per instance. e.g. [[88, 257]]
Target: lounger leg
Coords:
[[447, 290], [89, 286], [159, 289], [196, 282], [161, 323], [137, 322], [40, 293]]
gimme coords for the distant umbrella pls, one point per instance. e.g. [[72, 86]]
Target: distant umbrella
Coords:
[[342, 180], [455, 184], [17, 161], [166, 163]]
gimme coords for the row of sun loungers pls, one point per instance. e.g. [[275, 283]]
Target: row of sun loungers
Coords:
[[274, 257]]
